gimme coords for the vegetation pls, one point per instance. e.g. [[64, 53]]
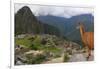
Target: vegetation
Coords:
[[36, 43], [35, 59], [66, 57]]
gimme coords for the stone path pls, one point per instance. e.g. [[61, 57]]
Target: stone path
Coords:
[[81, 57], [77, 58], [74, 58]]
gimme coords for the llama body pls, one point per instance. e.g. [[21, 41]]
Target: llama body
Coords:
[[87, 39]]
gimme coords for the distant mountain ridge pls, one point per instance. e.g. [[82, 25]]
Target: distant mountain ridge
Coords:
[[67, 25]]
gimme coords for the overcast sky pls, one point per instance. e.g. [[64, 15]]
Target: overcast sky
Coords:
[[55, 10]]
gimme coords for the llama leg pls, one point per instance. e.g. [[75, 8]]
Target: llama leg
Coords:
[[89, 54]]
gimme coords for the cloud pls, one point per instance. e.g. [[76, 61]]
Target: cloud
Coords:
[[55, 10]]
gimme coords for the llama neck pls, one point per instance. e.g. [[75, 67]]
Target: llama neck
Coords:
[[82, 31]]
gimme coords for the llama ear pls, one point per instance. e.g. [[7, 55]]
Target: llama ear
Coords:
[[79, 23]]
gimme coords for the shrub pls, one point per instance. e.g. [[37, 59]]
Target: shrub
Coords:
[[31, 59], [38, 59], [66, 57], [33, 47]]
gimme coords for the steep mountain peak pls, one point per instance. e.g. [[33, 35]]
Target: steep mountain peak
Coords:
[[26, 22], [25, 8]]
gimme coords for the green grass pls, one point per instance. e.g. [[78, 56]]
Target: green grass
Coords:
[[53, 49], [26, 41], [36, 44], [23, 41]]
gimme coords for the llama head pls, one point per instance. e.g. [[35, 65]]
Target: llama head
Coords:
[[80, 24]]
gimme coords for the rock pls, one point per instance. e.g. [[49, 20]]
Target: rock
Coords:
[[20, 36], [34, 52], [55, 60], [19, 63], [20, 49], [20, 59], [77, 58]]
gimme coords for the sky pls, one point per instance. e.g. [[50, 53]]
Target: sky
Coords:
[[61, 11]]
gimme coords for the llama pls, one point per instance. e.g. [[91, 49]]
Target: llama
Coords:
[[87, 39]]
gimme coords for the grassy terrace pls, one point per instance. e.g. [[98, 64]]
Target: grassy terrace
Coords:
[[36, 43]]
